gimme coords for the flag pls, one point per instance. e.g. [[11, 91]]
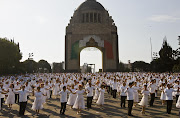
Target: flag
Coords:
[[75, 50], [109, 50]]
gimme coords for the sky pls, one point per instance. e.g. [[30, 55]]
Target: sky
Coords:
[[39, 27]]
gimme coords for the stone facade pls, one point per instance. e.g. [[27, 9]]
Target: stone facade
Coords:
[[91, 26]]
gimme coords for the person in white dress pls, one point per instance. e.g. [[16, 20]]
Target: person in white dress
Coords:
[[100, 100], [163, 95], [43, 90], [11, 96], [56, 88], [136, 94], [72, 97], [47, 89], [178, 104], [144, 100], [96, 95], [38, 102], [79, 102]]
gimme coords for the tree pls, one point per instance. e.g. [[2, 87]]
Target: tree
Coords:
[[166, 51], [44, 66], [30, 66], [122, 67], [176, 67], [140, 66], [10, 56], [166, 62]]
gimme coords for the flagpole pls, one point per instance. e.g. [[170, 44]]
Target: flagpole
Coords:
[[151, 48]]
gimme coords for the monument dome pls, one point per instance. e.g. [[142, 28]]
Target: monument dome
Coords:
[[90, 5]]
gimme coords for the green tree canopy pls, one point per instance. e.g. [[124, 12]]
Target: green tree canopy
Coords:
[[44, 66], [166, 62], [122, 67], [140, 66], [166, 51], [10, 56], [30, 66]]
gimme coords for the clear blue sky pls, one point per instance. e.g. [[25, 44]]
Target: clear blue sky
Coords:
[[39, 26]]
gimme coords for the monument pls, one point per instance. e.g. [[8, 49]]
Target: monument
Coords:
[[91, 26]]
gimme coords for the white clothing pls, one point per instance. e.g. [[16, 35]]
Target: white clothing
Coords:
[[38, 102], [136, 95], [144, 100], [56, 89], [168, 93], [178, 103], [130, 92], [100, 100], [23, 95], [163, 95], [11, 97], [152, 88], [114, 86], [79, 102], [72, 98], [90, 91], [122, 90], [63, 95], [96, 95]]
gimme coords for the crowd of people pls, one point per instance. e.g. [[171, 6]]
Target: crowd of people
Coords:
[[73, 87]]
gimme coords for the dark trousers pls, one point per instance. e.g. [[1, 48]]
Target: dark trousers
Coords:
[[177, 96], [2, 101], [28, 97], [169, 106], [16, 98], [152, 99], [114, 93], [108, 89], [89, 101], [111, 91], [123, 101], [50, 93], [63, 107], [130, 105], [22, 108]]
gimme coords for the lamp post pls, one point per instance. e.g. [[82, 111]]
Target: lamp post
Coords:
[[31, 65], [155, 55], [30, 56], [179, 39]]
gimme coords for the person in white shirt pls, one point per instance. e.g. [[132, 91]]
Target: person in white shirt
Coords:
[[51, 89], [63, 93], [169, 98], [123, 95], [152, 89], [114, 88], [89, 95], [177, 87], [17, 86], [108, 84], [130, 92], [23, 100]]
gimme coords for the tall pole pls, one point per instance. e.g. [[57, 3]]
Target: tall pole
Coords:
[[94, 68], [151, 48]]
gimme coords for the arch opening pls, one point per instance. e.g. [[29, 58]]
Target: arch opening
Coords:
[[90, 56]]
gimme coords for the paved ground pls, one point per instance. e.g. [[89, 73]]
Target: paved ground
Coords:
[[111, 109]]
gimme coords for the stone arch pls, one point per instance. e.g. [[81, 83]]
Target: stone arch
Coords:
[[102, 35]]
